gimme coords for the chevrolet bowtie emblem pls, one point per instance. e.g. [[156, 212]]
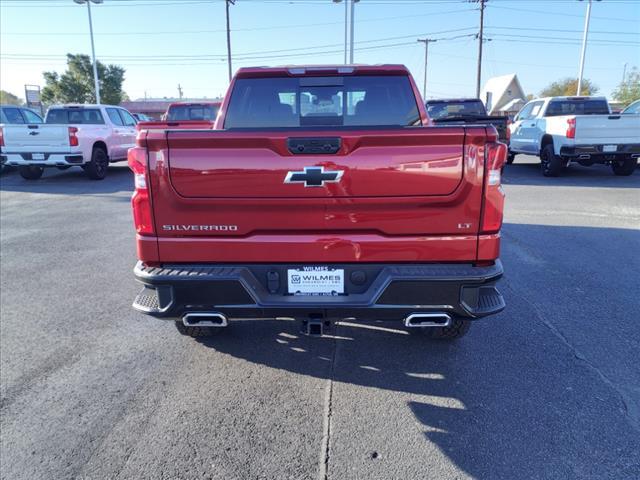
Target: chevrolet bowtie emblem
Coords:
[[314, 176]]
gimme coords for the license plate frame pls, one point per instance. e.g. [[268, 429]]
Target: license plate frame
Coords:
[[315, 281], [37, 156], [609, 148]]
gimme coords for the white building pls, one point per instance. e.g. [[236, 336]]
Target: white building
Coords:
[[503, 95]]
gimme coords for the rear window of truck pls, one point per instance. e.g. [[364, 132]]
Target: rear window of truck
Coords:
[[577, 107], [437, 110], [193, 112], [71, 116], [364, 100]]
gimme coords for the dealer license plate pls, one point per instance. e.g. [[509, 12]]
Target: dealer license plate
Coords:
[[315, 281], [609, 148]]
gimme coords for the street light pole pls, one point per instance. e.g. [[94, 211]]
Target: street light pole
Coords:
[[346, 32], [346, 26], [227, 2], [585, 34], [96, 81], [353, 3]]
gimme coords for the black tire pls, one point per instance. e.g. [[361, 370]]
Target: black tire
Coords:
[[551, 163], [624, 167], [458, 329], [510, 157], [97, 168], [196, 332], [30, 172]]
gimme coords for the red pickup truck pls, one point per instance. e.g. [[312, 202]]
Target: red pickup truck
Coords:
[[322, 193]]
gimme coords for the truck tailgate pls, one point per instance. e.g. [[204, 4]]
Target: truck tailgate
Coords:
[[41, 137], [605, 129], [424, 184], [220, 164]]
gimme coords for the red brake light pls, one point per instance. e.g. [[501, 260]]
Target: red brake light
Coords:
[[571, 127], [496, 156], [73, 138], [140, 201], [1, 137]]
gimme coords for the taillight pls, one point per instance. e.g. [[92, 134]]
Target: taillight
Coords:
[[1, 137], [508, 136], [571, 127], [73, 137], [496, 156], [141, 200]]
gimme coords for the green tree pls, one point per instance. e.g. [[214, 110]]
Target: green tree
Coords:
[[7, 98], [76, 84], [629, 90], [568, 87]]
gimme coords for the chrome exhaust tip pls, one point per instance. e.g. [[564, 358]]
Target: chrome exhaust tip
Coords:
[[204, 319], [420, 320], [584, 157]]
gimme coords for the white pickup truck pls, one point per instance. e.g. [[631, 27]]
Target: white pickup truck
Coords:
[[561, 130], [88, 136]]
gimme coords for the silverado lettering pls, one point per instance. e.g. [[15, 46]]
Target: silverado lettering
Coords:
[[220, 228], [402, 223]]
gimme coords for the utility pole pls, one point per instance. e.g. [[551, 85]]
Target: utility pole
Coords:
[[480, 42], [426, 42], [227, 2], [353, 10], [624, 72], [180, 91]]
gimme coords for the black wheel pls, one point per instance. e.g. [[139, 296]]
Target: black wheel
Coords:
[[96, 169], [510, 157], [624, 167], [551, 163], [30, 172], [196, 332], [458, 329]]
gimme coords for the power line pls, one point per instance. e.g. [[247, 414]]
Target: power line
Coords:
[[562, 14], [274, 27]]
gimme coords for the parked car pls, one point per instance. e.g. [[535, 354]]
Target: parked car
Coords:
[[354, 206], [11, 114], [632, 108], [197, 111], [141, 117], [14, 115], [88, 136], [467, 111], [561, 130], [185, 115]]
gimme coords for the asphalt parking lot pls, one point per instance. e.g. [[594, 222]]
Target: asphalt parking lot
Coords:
[[548, 389]]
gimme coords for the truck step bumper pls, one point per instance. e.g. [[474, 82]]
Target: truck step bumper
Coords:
[[373, 291], [46, 159]]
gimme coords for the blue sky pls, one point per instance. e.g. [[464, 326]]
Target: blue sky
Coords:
[[163, 43]]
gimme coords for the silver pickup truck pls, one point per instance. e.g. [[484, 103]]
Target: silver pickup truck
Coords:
[[87, 136], [561, 130]]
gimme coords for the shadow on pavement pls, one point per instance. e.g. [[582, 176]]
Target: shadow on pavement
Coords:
[[526, 171], [72, 181], [510, 400], [493, 417]]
